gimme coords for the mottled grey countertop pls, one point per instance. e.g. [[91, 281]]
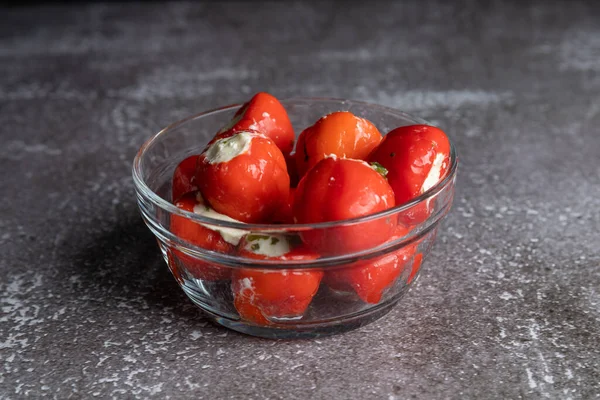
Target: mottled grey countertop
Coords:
[[508, 305]]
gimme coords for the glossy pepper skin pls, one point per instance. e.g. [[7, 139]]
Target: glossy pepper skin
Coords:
[[263, 294], [337, 189], [264, 114], [369, 279], [250, 186], [200, 236], [184, 177], [417, 157], [340, 133]]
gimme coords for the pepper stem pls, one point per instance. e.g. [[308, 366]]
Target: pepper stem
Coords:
[[379, 168]]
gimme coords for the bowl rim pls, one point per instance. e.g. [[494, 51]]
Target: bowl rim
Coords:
[[165, 205]]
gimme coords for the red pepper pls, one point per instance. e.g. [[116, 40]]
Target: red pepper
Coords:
[[342, 134], [263, 294], [244, 177], [200, 236], [265, 114], [371, 278], [417, 157], [184, 177], [338, 189]]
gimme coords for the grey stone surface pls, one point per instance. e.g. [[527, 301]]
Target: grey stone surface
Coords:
[[508, 305]]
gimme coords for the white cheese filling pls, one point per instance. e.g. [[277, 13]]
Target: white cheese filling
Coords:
[[226, 149], [230, 235], [267, 245], [246, 286], [434, 175]]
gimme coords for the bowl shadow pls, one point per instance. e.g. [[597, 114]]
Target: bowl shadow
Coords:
[[116, 262]]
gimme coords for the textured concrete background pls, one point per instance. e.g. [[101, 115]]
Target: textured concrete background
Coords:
[[509, 303]]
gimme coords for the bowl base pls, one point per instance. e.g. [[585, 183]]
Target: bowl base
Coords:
[[215, 299], [305, 330]]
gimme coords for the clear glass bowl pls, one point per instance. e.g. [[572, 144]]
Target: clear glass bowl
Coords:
[[340, 303]]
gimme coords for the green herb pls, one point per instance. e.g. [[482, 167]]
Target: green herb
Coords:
[[380, 169], [255, 237], [255, 246], [274, 241]]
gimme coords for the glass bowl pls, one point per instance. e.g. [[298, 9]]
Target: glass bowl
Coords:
[[333, 293]]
